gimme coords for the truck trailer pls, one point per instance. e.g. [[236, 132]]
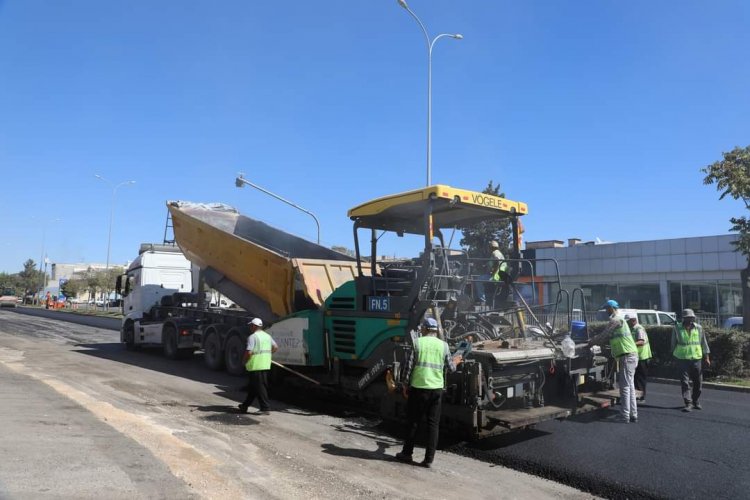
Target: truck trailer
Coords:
[[349, 323]]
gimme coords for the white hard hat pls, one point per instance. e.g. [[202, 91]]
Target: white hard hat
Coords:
[[630, 316], [494, 244], [256, 322]]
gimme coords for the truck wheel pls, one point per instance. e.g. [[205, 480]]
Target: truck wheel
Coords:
[[234, 351], [128, 334], [169, 342], [212, 353]]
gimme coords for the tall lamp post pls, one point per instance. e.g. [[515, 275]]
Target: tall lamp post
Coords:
[[241, 181], [43, 260], [111, 217], [430, 45]]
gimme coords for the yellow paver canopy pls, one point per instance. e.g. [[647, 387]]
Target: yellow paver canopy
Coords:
[[404, 212]]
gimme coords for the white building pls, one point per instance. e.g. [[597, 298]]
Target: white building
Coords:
[[701, 273]]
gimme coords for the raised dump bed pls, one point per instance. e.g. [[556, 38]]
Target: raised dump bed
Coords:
[[265, 270]]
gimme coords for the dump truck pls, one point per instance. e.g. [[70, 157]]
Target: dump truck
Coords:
[[349, 323]]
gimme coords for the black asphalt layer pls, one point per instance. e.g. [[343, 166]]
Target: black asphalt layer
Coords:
[[667, 454]]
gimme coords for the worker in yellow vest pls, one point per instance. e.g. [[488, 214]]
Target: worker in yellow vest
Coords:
[[644, 354], [424, 371], [624, 350], [257, 360], [690, 347]]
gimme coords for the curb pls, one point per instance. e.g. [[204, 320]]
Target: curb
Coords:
[[707, 385]]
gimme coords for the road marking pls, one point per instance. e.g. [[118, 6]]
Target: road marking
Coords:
[[198, 470]]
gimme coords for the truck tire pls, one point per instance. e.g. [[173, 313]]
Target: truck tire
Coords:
[[213, 354], [169, 342], [234, 351], [128, 336]]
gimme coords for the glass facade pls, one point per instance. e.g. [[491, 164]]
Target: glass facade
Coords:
[[712, 302]]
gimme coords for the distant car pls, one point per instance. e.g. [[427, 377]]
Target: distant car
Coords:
[[733, 323], [8, 297]]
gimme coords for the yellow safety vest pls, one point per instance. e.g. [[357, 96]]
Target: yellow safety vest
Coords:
[[688, 343], [644, 351], [428, 371], [622, 341], [261, 358]]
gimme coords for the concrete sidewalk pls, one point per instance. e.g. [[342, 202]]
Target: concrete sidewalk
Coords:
[[53, 448]]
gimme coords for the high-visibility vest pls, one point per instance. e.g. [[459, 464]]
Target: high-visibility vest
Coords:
[[261, 358], [622, 341], [688, 343], [644, 351], [502, 268], [428, 370]]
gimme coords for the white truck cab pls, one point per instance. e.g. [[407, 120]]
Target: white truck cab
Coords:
[[159, 270]]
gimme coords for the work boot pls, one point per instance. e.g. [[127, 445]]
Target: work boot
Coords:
[[242, 408], [687, 408], [697, 405], [633, 420], [425, 464], [403, 457]]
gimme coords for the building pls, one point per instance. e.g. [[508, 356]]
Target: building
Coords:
[[701, 273], [59, 273]]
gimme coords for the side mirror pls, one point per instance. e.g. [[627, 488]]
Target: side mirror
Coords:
[[118, 285]]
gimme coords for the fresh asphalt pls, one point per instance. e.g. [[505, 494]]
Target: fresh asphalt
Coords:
[[667, 454]]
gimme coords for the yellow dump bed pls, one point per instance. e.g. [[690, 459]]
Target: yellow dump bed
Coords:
[[267, 271]]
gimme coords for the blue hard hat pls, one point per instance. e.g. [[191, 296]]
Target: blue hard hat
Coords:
[[430, 324], [611, 303]]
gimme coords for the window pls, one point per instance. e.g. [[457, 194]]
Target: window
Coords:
[[647, 319], [665, 319]]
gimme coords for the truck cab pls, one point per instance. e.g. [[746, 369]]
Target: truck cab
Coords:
[[158, 271]]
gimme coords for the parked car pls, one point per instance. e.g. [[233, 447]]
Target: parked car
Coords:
[[733, 323], [646, 317]]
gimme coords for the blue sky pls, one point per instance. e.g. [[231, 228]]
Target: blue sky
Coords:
[[599, 115]]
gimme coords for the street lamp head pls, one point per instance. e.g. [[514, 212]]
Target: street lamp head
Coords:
[[402, 3], [458, 36], [239, 182]]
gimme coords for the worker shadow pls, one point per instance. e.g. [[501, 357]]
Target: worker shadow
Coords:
[[225, 414], [378, 454], [367, 431]]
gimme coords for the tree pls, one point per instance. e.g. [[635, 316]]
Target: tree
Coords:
[[732, 178], [73, 287], [476, 238], [30, 279]]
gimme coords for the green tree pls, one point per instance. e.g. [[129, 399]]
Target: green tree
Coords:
[[30, 279], [476, 238], [732, 178], [73, 287]]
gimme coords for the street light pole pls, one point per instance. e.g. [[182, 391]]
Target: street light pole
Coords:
[[241, 181], [42, 263], [111, 217], [430, 45]]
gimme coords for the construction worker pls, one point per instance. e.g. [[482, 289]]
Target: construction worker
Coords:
[[498, 271], [625, 352], [689, 346], [257, 360], [644, 353], [424, 371]]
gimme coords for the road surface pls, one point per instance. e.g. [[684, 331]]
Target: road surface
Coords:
[[82, 417]]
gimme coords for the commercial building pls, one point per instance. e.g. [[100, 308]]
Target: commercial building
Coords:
[[701, 273]]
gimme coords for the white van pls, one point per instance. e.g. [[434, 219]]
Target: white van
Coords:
[[646, 317]]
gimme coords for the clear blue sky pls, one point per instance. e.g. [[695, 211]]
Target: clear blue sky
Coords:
[[599, 115]]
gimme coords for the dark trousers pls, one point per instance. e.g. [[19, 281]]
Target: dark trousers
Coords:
[[691, 371], [257, 387], [423, 403], [641, 373]]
